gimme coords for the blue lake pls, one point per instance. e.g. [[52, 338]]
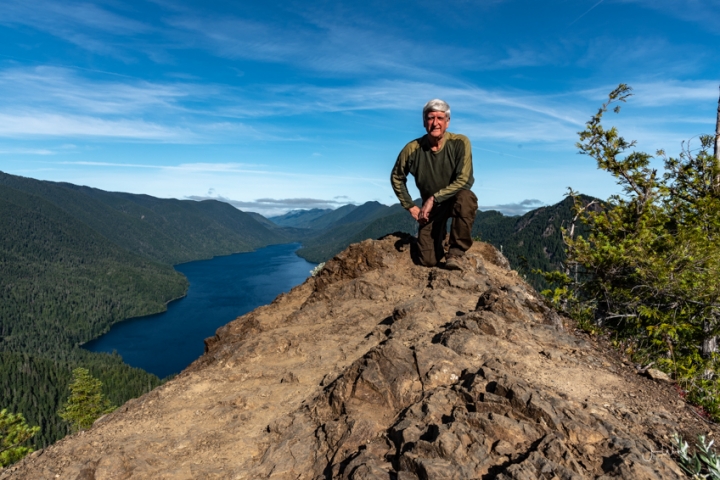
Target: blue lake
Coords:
[[220, 290]]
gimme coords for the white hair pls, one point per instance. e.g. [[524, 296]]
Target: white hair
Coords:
[[436, 105]]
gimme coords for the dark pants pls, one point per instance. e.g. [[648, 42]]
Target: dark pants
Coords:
[[461, 208]]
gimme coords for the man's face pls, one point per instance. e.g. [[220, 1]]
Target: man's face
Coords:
[[436, 123]]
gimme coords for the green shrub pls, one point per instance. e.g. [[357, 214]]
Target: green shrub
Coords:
[[649, 265], [14, 432]]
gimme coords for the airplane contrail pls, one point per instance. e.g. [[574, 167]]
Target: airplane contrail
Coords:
[[598, 3]]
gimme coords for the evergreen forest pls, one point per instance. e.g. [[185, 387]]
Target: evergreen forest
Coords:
[[76, 260], [531, 242]]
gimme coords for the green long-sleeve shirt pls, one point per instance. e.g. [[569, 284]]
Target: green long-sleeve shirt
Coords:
[[440, 174]]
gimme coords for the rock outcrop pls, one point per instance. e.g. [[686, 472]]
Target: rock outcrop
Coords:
[[381, 369]]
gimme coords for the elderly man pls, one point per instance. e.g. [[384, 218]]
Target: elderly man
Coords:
[[441, 163]]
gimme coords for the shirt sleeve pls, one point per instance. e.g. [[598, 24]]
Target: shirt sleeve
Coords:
[[463, 173], [398, 178]]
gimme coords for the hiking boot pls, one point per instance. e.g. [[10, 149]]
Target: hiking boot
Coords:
[[454, 262]]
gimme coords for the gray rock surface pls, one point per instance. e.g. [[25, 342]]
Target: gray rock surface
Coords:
[[380, 369]]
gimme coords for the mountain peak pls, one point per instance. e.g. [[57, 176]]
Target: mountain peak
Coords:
[[377, 368]]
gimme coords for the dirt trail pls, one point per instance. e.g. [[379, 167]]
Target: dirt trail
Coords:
[[378, 368]]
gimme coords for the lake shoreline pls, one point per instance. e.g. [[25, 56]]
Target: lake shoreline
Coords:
[[220, 289]]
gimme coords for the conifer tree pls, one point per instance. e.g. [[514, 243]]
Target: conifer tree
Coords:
[[86, 402], [14, 433]]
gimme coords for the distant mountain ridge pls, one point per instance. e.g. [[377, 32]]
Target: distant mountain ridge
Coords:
[[530, 241], [166, 230], [299, 218], [74, 260]]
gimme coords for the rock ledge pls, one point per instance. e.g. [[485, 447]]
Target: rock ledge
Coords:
[[381, 369]]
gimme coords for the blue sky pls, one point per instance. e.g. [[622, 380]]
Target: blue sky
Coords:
[[279, 105]]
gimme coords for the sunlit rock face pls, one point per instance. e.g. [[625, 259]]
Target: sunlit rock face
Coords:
[[380, 369]]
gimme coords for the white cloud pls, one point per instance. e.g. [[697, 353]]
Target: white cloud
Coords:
[[512, 209], [274, 206], [40, 124], [232, 170], [26, 151], [64, 88], [675, 92], [499, 114], [57, 102], [52, 101]]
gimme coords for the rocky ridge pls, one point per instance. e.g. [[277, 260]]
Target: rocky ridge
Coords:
[[381, 369]]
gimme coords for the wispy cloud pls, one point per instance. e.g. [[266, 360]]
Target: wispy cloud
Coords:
[[407, 94], [297, 202], [236, 170], [275, 206], [40, 124], [513, 209], [57, 102], [337, 40], [110, 164], [317, 41], [52, 101], [675, 92], [64, 88], [80, 23], [184, 167], [68, 15], [26, 151]]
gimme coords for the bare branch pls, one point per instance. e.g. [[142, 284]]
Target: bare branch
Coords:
[[577, 216]]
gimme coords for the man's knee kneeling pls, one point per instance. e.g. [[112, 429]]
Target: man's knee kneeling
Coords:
[[427, 260]]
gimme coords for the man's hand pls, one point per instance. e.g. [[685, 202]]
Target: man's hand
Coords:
[[417, 215], [423, 215], [427, 207], [415, 212]]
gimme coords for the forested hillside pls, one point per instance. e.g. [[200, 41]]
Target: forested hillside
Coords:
[[371, 220], [64, 281], [166, 230], [75, 260], [300, 218], [532, 241]]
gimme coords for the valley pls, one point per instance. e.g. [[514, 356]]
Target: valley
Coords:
[[77, 260]]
